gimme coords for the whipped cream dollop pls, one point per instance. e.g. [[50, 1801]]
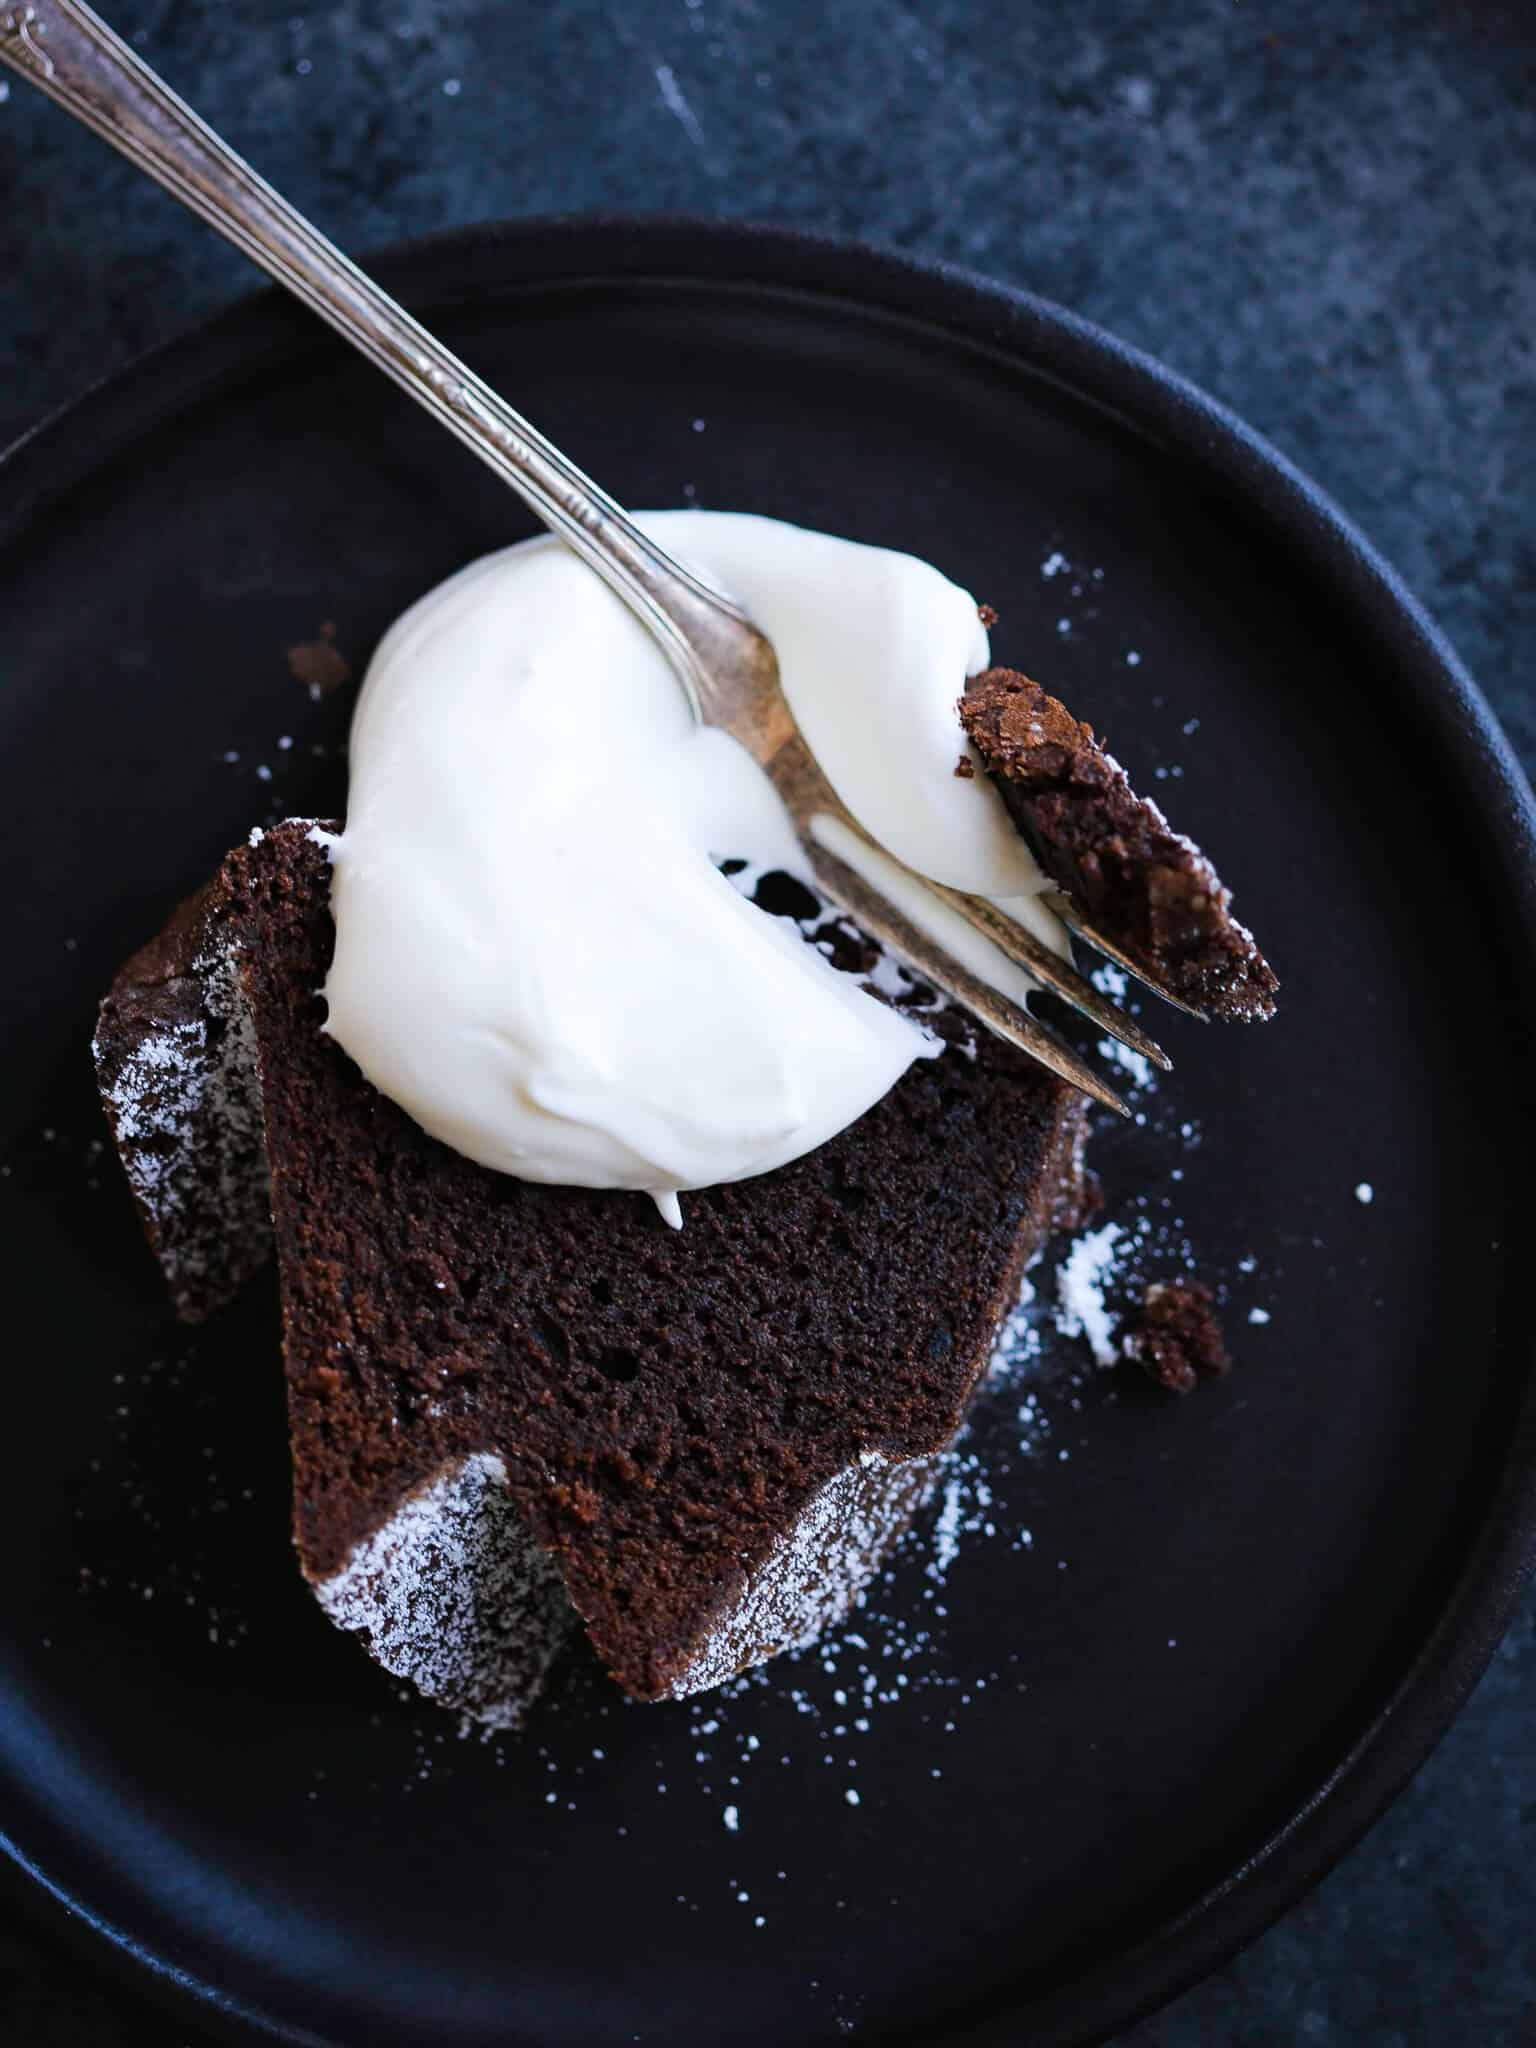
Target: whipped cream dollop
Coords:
[[536, 954]]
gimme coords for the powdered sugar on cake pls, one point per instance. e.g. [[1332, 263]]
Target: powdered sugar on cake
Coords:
[[817, 1574], [454, 1595], [185, 1106]]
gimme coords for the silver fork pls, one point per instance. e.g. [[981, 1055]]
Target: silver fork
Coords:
[[726, 666]]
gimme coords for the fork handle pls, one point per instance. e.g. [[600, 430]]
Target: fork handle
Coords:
[[68, 52]]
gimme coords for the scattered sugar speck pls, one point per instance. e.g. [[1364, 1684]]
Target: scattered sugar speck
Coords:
[[1365, 1192], [1133, 659], [851, 1796], [1128, 1059], [731, 1818], [1053, 564], [1081, 1310], [1258, 1315]]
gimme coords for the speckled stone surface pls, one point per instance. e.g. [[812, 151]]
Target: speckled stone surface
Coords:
[[1324, 213]]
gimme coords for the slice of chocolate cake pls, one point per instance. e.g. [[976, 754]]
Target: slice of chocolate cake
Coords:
[[511, 1401], [1151, 891]]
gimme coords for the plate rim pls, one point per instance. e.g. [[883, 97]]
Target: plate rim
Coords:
[[1161, 406]]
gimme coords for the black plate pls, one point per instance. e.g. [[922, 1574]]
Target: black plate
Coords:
[[1088, 1765]]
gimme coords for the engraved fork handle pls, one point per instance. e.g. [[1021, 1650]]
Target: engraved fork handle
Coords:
[[68, 52]]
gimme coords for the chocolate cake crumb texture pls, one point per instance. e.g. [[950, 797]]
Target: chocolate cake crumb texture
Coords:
[[1177, 1338], [1113, 853], [176, 1065]]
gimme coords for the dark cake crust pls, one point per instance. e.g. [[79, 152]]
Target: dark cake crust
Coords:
[[1143, 885], [669, 1412], [175, 1065]]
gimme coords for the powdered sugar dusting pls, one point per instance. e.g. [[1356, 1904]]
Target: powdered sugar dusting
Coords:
[[454, 1595], [1082, 1310], [965, 1500], [185, 1107], [818, 1572], [1128, 1059]]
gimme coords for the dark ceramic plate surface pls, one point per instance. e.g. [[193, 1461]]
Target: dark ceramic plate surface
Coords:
[[1086, 1764]]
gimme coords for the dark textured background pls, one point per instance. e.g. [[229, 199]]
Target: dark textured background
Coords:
[[1322, 211]]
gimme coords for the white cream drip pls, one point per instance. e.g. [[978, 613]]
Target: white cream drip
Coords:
[[535, 954]]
